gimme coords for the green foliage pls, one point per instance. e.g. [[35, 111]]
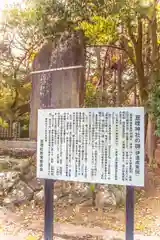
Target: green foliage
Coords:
[[20, 36], [52, 17], [155, 103], [12, 98], [92, 187], [100, 30], [103, 22], [24, 121], [91, 95], [3, 123]]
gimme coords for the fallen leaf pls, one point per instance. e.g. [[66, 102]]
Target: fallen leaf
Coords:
[[31, 237]]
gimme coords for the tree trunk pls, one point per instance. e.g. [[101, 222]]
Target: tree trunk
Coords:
[[151, 123], [139, 67], [114, 84], [151, 143], [98, 55], [119, 83]]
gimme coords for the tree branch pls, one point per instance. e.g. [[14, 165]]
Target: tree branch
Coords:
[[130, 33], [116, 47]]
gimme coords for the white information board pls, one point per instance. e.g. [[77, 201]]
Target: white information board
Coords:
[[96, 145]]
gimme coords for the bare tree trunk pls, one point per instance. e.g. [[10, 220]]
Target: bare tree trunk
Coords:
[[98, 55], [119, 83], [89, 69], [114, 87], [135, 91]]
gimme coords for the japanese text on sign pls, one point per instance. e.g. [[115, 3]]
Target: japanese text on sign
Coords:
[[102, 145]]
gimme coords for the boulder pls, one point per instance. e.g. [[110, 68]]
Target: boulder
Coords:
[[77, 188], [8, 180], [35, 184], [22, 166], [39, 197], [104, 198], [83, 189], [29, 174], [10, 163], [21, 193], [3, 163], [17, 152], [110, 195], [119, 192]]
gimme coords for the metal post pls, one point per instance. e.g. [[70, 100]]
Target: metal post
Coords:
[[129, 213], [48, 209]]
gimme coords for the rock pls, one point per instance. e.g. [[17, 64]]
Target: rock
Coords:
[[104, 198], [21, 193], [55, 197], [17, 152], [119, 192], [110, 195], [23, 166], [35, 184], [17, 179], [8, 180], [3, 163], [30, 173], [21, 152], [10, 163], [82, 189], [7, 163], [39, 197], [34, 157]]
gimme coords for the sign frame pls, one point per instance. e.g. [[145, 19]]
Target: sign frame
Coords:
[[117, 123]]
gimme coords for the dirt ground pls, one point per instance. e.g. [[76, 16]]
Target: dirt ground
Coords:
[[147, 213]]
